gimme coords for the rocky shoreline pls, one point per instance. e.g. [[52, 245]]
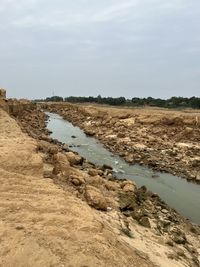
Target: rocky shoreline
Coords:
[[161, 140], [101, 190]]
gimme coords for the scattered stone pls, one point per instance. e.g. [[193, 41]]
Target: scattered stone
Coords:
[[53, 150], [179, 239], [170, 243], [47, 174], [74, 159], [65, 147], [19, 227], [76, 180], [129, 187], [95, 198], [165, 211], [89, 132], [106, 167], [112, 186], [180, 252], [93, 172], [144, 221], [121, 135]]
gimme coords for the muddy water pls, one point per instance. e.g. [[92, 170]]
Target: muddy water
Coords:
[[175, 191]]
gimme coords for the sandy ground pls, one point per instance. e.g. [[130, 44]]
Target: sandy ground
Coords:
[[42, 225]]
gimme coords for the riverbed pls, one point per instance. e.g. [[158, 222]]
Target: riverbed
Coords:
[[175, 191]]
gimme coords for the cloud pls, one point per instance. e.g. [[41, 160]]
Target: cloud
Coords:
[[136, 42], [114, 11], [46, 14]]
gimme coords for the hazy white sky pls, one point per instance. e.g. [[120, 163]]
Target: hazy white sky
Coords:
[[109, 47]]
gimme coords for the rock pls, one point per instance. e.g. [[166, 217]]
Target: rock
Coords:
[[179, 239], [144, 221], [127, 201], [53, 150], [195, 162], [100, 172], [198, 177], [178, 236], [141, 194], [188, 130], [95, 198], [89, 132], [76, 180], [129, 187], [111, 136], [94, 180], [106, 167], [73, 136], [62, 159], [180, 252], [47, 174], [137, 214], [46, 147], [164, 222], [93, 172], [191, 249], [129, 158], [73, 158], [56, 169], [165, 211], [170, 243], [121, 135], [65, 147], [19, 227], [130, 184], [112, 186]]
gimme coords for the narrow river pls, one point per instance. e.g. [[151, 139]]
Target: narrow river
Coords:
[[175, 191]]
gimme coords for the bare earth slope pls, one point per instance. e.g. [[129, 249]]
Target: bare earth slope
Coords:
[[43, 225]]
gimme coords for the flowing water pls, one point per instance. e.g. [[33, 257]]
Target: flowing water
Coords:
[[175, 191]]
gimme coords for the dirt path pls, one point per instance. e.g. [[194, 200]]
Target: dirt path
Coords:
[[43, 225]]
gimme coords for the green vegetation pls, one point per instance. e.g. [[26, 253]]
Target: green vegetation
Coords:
[[54, 99], [173, 102]]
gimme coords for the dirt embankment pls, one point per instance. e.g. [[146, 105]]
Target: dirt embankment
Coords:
[[57, 209], [135, 215], [161, 139], [43, 224]]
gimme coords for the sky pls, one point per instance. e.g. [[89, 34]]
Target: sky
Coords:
[[131, 48]]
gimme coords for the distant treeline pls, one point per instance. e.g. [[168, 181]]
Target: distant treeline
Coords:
[[173, 102]]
